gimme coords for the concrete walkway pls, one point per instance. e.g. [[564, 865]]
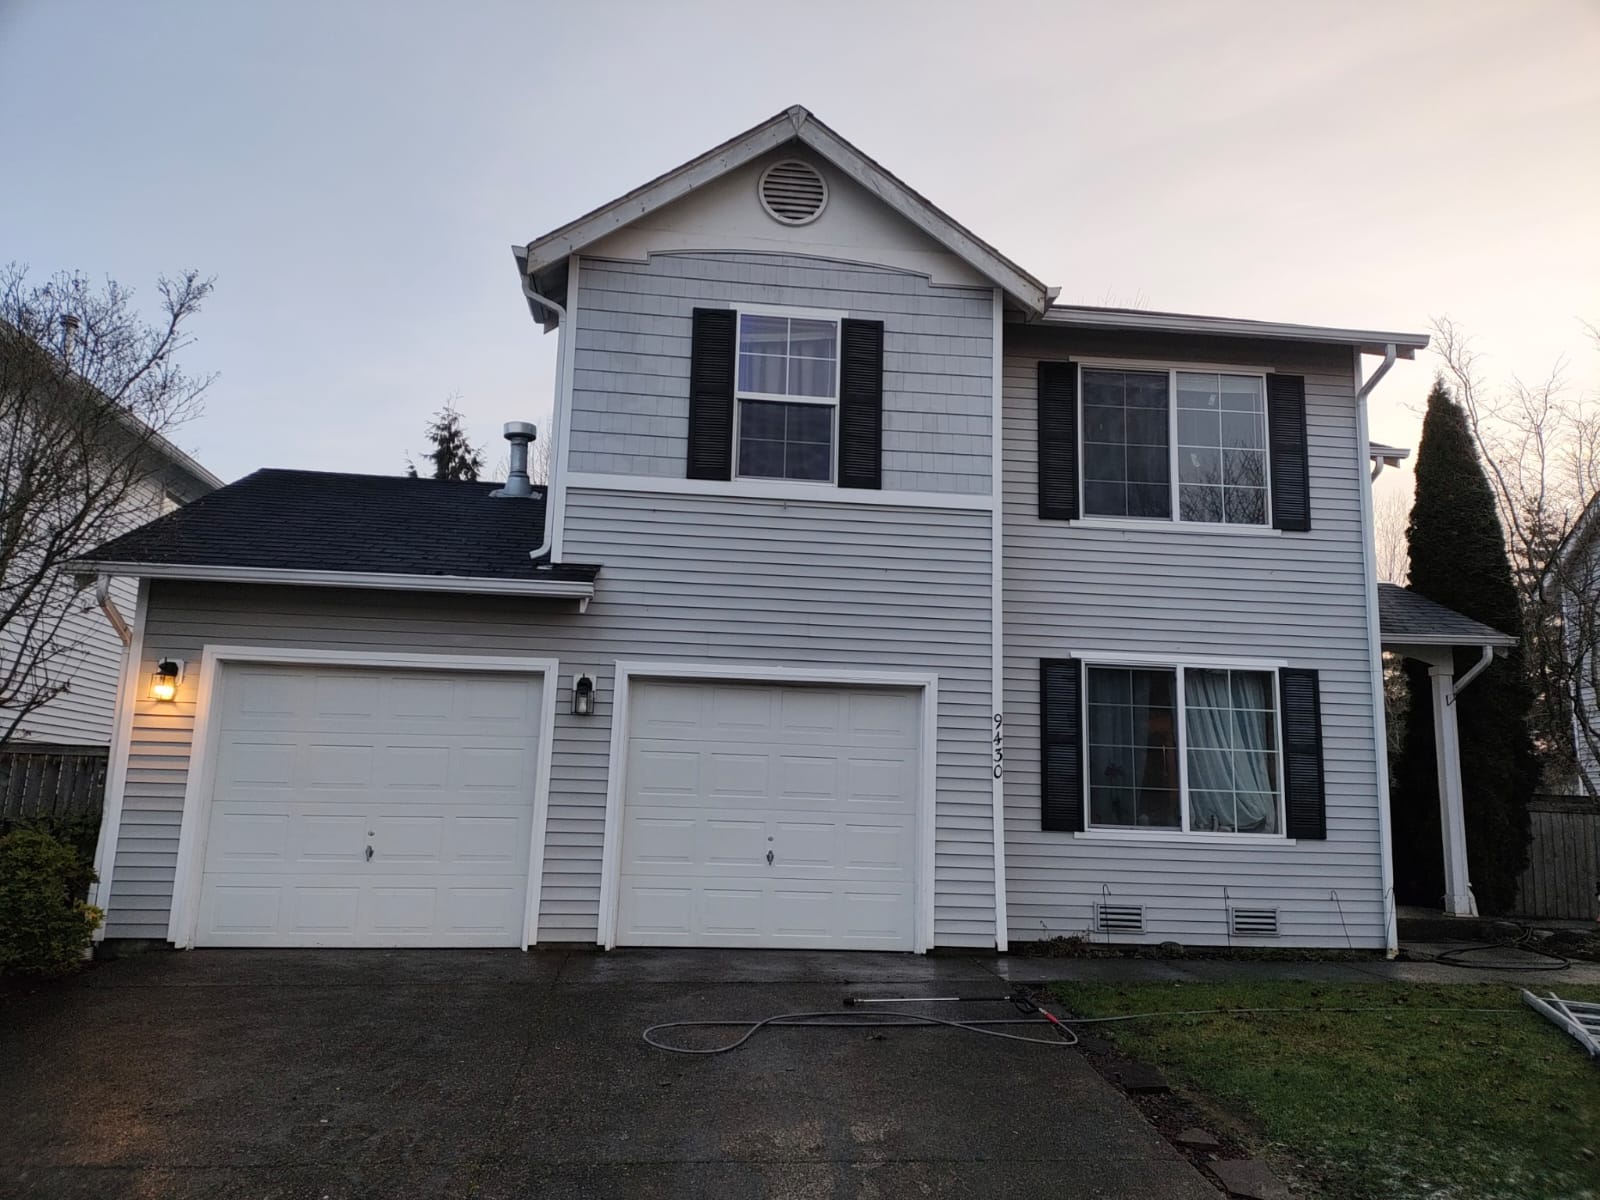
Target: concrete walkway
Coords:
[[486, 1074]]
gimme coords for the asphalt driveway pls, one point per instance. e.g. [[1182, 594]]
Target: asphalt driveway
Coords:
[[460, 1073]]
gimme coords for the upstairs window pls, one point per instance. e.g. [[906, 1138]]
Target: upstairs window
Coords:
[[787, 397], [1148, 434]]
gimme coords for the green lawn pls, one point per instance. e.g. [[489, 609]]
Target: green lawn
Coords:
[[1397, 1104]]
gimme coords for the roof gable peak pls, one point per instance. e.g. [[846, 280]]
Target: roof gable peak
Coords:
[[795, 123]]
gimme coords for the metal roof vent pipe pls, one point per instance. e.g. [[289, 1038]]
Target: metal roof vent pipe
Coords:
[[69, 336], [520, 434]]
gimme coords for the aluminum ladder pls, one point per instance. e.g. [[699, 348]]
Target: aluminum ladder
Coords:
[[1577, 1017]]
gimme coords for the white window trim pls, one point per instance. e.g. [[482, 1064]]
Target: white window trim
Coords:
[[927, 779], [1174, 519], [193, 829], [1183, 834], [832, 402]]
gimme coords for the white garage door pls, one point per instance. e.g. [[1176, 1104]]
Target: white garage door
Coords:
[[361, 807], [770, 816]]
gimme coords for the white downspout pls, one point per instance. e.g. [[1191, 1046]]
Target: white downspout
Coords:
[[1485, 657], [108, 605], [555, 413], [1380, 727]]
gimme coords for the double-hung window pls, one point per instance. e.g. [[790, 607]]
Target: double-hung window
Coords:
[[786, 397], [1174, 445], [1183, 748]]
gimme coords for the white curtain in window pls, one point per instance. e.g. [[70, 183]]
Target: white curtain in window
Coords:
[[1232, 757]]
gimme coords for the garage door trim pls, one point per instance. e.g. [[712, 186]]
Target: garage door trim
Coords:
[[616, 783], [185, 916]]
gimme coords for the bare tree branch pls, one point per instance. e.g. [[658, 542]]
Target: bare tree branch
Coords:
[[1540, 444], [89, 394]]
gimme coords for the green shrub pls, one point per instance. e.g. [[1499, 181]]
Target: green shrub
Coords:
[[79, 830], [44, 925]]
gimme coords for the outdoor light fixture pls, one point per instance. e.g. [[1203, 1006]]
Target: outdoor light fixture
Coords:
[[582, 695], [164, 683]]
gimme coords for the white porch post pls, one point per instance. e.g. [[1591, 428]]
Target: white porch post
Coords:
[[1458, 901]]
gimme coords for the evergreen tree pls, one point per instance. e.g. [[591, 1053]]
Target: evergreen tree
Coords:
[[1458, 558], [453, 456]]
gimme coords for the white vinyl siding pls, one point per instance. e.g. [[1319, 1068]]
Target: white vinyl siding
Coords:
[[1182, 593], [630, 410], [686, 579]]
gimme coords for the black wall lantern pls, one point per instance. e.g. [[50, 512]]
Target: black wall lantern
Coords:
[[164, 683], [582, 695]]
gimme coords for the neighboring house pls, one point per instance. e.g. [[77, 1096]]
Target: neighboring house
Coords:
[[1574, 576], [877, 602], [83, 715]]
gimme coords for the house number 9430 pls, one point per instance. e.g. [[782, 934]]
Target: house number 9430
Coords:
[[999, 745]]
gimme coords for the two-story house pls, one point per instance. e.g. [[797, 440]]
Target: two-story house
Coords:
[[876, 601]]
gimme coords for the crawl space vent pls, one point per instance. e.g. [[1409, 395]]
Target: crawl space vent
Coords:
[[1254, 922], [793, 192], [1119, 918]]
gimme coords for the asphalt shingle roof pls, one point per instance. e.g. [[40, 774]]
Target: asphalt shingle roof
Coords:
[[1404, 616], [326, 521]]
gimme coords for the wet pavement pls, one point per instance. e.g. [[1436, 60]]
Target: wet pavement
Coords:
[[222, 1073]]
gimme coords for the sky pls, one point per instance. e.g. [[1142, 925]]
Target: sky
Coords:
[[354, 174]]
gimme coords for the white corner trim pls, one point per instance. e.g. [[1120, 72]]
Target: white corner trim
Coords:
[[105, 848], [616, 771], [556, 490], [997, 693], [1380, 728], [185, 913], [754, 489], [479, 585]]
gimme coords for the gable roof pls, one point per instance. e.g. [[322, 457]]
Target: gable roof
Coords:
[[313, 523], [793, 124], [1408, 618]]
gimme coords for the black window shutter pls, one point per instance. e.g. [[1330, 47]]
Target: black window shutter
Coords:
[[1307, 805], [1058, 442], [1061, 745], [1286, 439], [711, 364], [861, 404]]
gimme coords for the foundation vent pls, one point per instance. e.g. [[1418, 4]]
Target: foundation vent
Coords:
[[793, 192], [1119, 918], [1254, 922]]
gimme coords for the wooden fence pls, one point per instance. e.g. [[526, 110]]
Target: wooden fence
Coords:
[[1563, 859], [51, 781]]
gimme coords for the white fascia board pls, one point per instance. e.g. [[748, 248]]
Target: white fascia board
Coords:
[[793, 124], [972, 250], [1391, 455], [480, 585], [1369, 341], [572, 237], [1401, 641]]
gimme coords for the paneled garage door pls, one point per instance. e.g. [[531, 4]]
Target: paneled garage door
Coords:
[[770, 816], [364, 807]]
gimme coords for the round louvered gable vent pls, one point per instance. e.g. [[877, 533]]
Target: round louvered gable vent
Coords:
[[793, 192]]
